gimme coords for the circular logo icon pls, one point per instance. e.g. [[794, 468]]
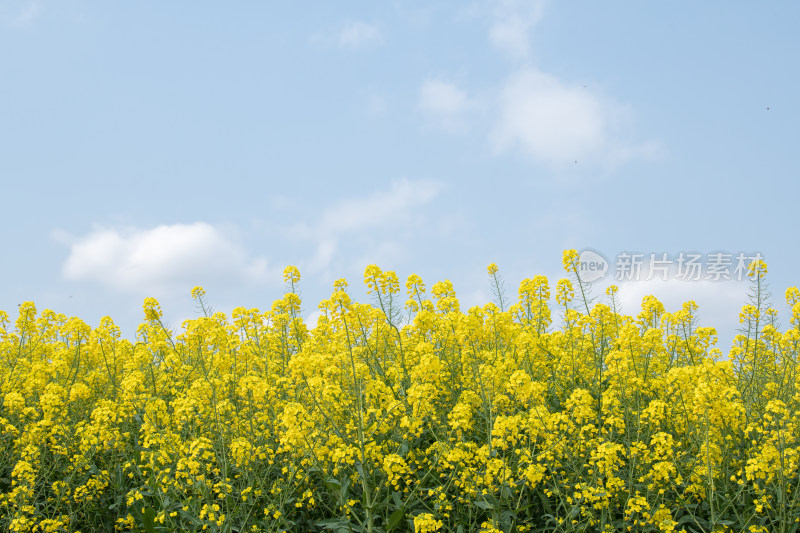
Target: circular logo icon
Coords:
[[592, 266]]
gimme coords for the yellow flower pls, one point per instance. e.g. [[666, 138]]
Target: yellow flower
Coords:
[[569, 260], [291, 274], [152, 309], [564, 291], [757, 267], [426, 523]]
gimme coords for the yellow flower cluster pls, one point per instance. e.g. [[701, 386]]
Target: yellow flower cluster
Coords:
[[412, 416]]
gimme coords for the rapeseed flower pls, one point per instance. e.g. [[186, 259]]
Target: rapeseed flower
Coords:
[[491, 419]]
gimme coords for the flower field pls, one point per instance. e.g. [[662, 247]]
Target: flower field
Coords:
[[404, 414]]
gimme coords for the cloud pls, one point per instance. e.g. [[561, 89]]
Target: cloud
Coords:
[[557, 123], [512, 22], [168, 257], [376, 106], [20, 13], [358, 34], [721, 298], [442, 98], [719, 302], [445, 103], [378, 208], [532, 112], [377, 222]]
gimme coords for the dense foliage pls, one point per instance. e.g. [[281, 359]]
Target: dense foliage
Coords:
[[404, 415]]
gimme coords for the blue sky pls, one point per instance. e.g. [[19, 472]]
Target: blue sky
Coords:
[[148, 147]]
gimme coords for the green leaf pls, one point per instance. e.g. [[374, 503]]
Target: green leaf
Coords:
[[395, 518], [145, 518], [483, 504], [334, 523], [697, 520], [190, 517]]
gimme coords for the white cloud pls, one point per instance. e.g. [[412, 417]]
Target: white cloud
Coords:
[[548, 120], [512, 22], [559, 123], [324, 254], [719, 302], [376, 106], [165, 258], [380, 207], [716, 299], [357, 34], [442, 98], [445, 104], [378, 222], [20, 13], [312, 319]]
